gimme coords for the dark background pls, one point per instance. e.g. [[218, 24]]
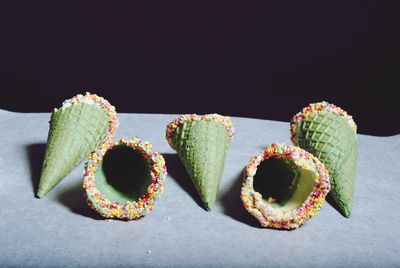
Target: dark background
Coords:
[[256, 59]]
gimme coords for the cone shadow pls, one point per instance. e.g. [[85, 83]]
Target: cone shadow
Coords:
[[178, 172], [233, 206], [73, 199], [35, 153]]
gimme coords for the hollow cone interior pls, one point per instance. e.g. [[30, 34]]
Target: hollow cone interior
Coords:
[[123, 175], [283, 184]]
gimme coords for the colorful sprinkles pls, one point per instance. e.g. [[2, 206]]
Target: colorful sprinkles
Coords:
[[131, 210], [262, 209], [318, 107], [224, 120], [99, 101]]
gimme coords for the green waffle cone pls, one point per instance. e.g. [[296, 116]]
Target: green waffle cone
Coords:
[[329, 136], [75, 131], [202, 147]]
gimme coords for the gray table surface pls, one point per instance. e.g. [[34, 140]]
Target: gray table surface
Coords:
[[61, 230]]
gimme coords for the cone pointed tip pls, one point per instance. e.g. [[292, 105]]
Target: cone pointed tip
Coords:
[[40, 194], [208, 206], [345, 210], [42, 190], [347, 213]]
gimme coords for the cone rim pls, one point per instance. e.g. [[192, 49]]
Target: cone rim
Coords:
[[99, 101], [271, 217], [221, 119], [130, 210], [317, 108]]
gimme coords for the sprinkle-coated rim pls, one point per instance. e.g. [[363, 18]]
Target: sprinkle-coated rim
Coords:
[[318, 107], [272, 217], [224, 120], [100, 102], [130, 210]]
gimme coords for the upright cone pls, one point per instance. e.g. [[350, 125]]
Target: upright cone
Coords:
[[77, 128], [202, 143], [329, 133]]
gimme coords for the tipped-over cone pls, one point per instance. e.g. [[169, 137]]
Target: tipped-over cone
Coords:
[[124, 180], [76, 129], [202, 144], [329, 133], [284, 186]]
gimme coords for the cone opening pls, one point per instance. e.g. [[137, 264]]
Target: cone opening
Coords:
[[283, 184], [124, 174]]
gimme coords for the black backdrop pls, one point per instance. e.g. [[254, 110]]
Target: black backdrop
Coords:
[[257, 59]]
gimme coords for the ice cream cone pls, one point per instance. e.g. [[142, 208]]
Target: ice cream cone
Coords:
[[125, 179], [329, 133], [77, 128], [284, 186], [202, 143]]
